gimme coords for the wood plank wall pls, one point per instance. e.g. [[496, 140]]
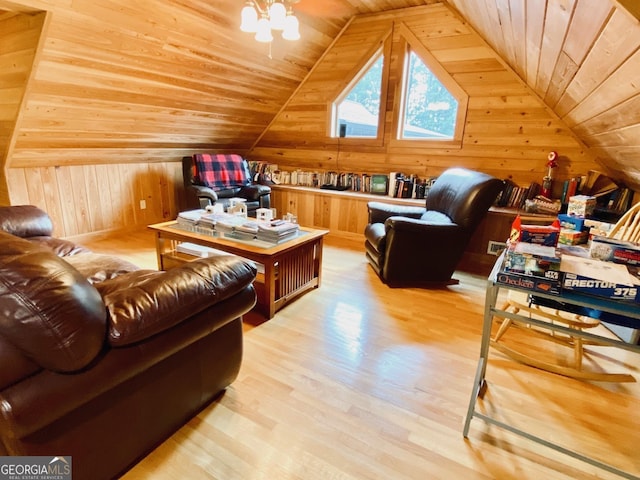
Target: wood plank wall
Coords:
[[508, 132], [20, 37], [96, 199]]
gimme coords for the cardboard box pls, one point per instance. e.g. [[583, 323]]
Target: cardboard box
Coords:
[[532, 260], [572, 237], [600, 288], [570, 222], [539, 234], [598, 225], [528, 282], [581, 206], [613, 250], [598, 228]]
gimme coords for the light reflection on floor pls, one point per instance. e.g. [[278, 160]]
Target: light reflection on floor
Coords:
[[347, 324], [393, 362]]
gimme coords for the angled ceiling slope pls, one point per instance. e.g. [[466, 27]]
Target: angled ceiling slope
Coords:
[[187, 66], [583, 59]]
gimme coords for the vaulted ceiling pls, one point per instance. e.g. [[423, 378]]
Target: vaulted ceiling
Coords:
[[159, 78]]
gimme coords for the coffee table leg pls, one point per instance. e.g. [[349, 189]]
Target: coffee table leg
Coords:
[[270, 289]]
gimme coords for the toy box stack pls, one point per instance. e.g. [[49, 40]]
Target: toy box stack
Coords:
[[574, 230], [531, 260]]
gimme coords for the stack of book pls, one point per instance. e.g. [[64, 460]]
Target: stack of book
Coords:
[[189, 219], [229, 223], [276, 232], [246, 230]]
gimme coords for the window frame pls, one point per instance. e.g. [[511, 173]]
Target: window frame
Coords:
[[381, 48], [407, 43], [410, 43]]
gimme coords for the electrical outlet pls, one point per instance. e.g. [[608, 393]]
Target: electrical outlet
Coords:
[[143, 204]]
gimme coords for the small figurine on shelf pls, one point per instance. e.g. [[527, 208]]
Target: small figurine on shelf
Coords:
[[547, 181]]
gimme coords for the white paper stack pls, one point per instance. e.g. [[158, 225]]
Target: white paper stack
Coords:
[[246, 230], [189, 219], [198, 250], [229, 224], [277, 233]]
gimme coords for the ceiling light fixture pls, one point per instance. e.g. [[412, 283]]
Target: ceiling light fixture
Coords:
[[263, 17]]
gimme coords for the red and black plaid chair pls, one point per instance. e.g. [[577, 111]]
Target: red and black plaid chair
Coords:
[[215, 178]]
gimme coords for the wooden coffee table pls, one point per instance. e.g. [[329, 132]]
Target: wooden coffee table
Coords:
[[291, 267]]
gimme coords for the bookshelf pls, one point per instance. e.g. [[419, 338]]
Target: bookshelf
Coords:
[[393, 184]]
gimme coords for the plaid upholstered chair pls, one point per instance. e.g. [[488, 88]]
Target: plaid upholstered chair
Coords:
[[216, 178]]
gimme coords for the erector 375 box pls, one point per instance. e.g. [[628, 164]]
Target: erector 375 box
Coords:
[[600, 278]]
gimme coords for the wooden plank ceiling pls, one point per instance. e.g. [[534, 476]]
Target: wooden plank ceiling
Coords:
[[159, 79]]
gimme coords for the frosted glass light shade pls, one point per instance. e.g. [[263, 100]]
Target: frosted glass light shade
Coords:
[[277, 14], [291, 28], [264, 31], [249, 19]]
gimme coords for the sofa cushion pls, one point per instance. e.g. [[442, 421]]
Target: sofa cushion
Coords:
[[96, 267], [436, 218], [48, 310], [158, 302], [59, 246]]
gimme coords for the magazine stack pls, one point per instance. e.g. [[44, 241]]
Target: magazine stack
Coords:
[[189, 220], [246, 230], [278, 231]]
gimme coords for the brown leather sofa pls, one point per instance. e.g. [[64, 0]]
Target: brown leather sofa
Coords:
[[101, 360], [421, 246]]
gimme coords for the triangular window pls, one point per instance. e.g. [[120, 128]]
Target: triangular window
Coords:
[[357, 114], [429, 111]]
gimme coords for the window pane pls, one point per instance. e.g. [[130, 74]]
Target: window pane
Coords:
[[429, 110], [360, 110]]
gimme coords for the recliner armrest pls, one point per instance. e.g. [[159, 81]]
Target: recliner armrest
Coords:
[[254, 191], [379, 211], [205, 192], [421, 227]]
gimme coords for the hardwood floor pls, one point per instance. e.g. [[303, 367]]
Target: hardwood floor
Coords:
[[359, 381]]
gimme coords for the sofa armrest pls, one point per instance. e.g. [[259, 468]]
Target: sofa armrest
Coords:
[[379, 211], [141, 310], [59, 246]]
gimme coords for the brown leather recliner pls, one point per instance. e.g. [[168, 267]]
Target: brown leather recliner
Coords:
[[101, 360], [414, 246]]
